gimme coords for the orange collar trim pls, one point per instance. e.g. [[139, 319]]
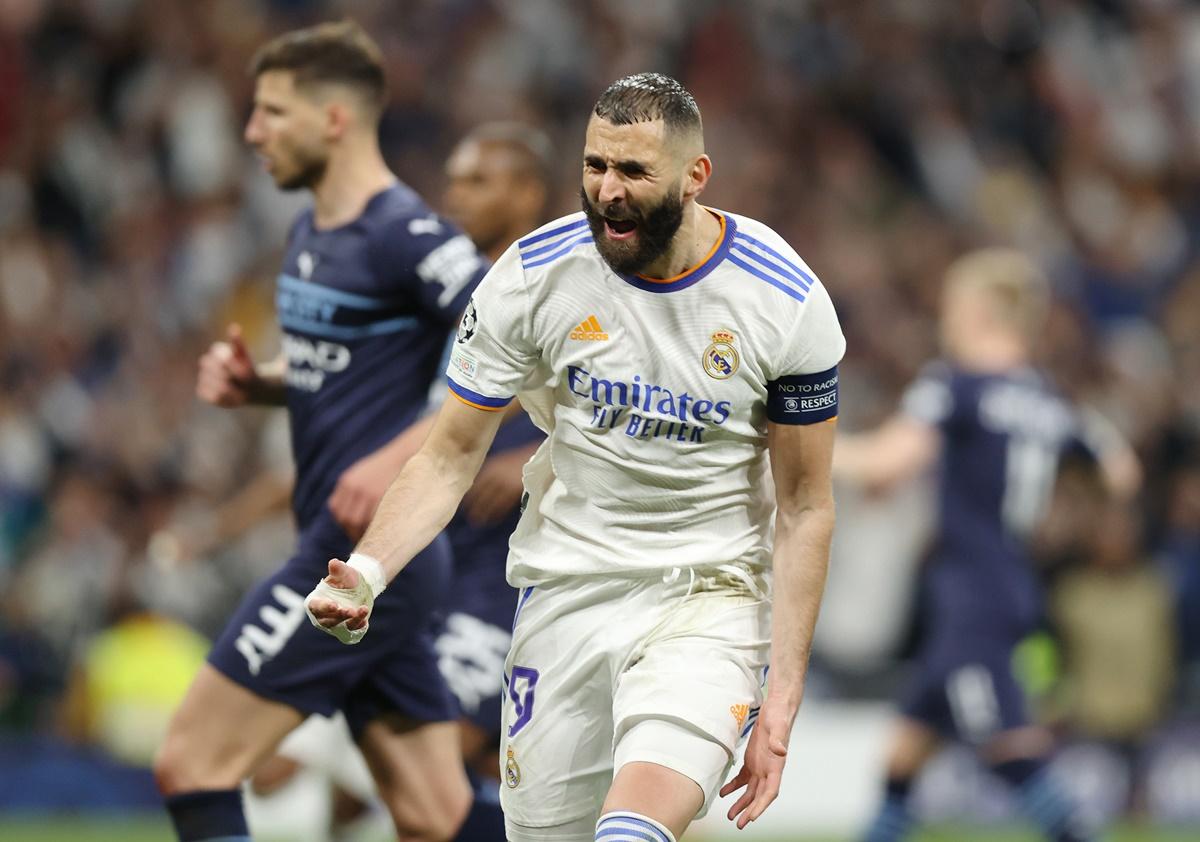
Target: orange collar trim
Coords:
[[716, 247]]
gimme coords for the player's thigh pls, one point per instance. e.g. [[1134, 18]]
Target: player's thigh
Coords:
[[219, 735], [691, 697], [556, 725], [418, 771]]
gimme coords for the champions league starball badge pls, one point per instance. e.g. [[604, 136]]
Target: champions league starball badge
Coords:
[[512, 772], [720, 358], [466, 328]]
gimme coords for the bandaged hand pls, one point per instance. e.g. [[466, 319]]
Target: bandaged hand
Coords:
[[341, 603]]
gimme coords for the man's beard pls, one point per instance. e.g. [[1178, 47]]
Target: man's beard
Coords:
[[308, 173], [655, 231]]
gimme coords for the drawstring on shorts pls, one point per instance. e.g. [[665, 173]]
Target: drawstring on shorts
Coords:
[[739, 573]]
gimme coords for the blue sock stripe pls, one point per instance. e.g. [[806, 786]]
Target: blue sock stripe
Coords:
[[622, 826], [1049, 808], [1040, 802], [1041, 792], [626, 834], [1046, 804], [892, 822]]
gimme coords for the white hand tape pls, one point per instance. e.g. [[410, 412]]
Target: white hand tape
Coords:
[[371, 582]]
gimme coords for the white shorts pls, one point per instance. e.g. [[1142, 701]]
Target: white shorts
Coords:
[[605, 671]]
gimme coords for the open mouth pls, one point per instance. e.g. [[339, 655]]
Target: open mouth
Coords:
[[619, 229]]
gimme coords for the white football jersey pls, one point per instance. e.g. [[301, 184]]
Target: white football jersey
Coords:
[[654, 394]]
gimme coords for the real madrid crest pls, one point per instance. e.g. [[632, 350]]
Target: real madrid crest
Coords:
[[512, 772], [721, 358]]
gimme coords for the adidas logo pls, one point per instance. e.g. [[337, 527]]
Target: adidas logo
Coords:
[[589, 330], [740, 712]]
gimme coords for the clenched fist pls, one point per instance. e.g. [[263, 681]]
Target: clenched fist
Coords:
[[227, 375]]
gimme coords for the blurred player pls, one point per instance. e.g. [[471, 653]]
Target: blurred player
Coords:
[[371, 281], [676, 356], [497, 190], [998, 428]]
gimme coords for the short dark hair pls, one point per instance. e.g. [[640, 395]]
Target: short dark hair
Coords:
[[649, 96], [340, 53], [531, 146]]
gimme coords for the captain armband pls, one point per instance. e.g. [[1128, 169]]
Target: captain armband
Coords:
[[803, 398]]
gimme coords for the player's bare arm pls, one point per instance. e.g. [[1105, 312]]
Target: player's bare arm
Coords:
[[229, 377], [417, 506], [899, 450], [801, 465]]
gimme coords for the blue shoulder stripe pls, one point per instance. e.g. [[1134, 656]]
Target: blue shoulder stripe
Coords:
[[335, 296], [562, 247], [765, 265], [789, 269], [761, 275], [542, 249], [326, 330], [553, 232]]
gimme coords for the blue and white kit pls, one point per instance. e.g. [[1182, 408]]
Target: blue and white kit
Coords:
[[644, 549]]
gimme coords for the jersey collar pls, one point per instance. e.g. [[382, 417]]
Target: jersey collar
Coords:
[[696, 273]]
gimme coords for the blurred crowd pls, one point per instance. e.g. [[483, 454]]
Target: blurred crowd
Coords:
[[881, 139]]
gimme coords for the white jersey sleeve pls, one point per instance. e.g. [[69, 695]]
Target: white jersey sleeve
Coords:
[[817, 343], [494, 350], [802, 385]]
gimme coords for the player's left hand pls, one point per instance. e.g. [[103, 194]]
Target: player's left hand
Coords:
[[762, 767], [359, 490]]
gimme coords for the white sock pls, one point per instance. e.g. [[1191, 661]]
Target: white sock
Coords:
[[631, 827]]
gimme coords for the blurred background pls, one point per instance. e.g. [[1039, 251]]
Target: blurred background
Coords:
[[880, 138]]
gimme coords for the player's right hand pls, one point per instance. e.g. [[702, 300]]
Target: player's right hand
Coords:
[[762, 767], [341, 603], [227, 374]]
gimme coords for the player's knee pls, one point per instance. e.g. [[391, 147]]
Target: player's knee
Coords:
[[171, 772], [434, 816], [181, 767]]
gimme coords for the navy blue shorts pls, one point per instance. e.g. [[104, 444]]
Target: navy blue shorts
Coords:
[[474, 638], [966, 688], [270, 647]]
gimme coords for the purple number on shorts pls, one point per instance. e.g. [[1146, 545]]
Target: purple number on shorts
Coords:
[[522, 700]]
